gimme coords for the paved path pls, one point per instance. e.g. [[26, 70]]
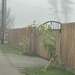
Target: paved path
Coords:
[[9, 63], [25, 61], [6, 68]]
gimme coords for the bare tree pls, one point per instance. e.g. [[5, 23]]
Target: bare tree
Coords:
[[9, 21], [9, 18], [66, 9], [54, 8]]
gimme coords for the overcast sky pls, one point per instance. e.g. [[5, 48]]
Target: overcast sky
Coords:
[[26, 11]]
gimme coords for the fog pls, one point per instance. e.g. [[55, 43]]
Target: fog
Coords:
[[26, 11]]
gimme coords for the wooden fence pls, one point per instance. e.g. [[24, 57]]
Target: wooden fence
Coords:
[[68, 45], [15, 36], [65, 42]]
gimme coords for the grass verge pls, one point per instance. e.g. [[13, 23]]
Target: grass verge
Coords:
[[41, 71], [6, 48]]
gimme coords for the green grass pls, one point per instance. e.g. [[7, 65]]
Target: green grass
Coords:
[[6, 48], [41, 71]]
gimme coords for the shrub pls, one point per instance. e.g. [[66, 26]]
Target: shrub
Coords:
[[25, 44]]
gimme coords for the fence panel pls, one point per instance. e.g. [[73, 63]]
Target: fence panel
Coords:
[[68, 45]]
